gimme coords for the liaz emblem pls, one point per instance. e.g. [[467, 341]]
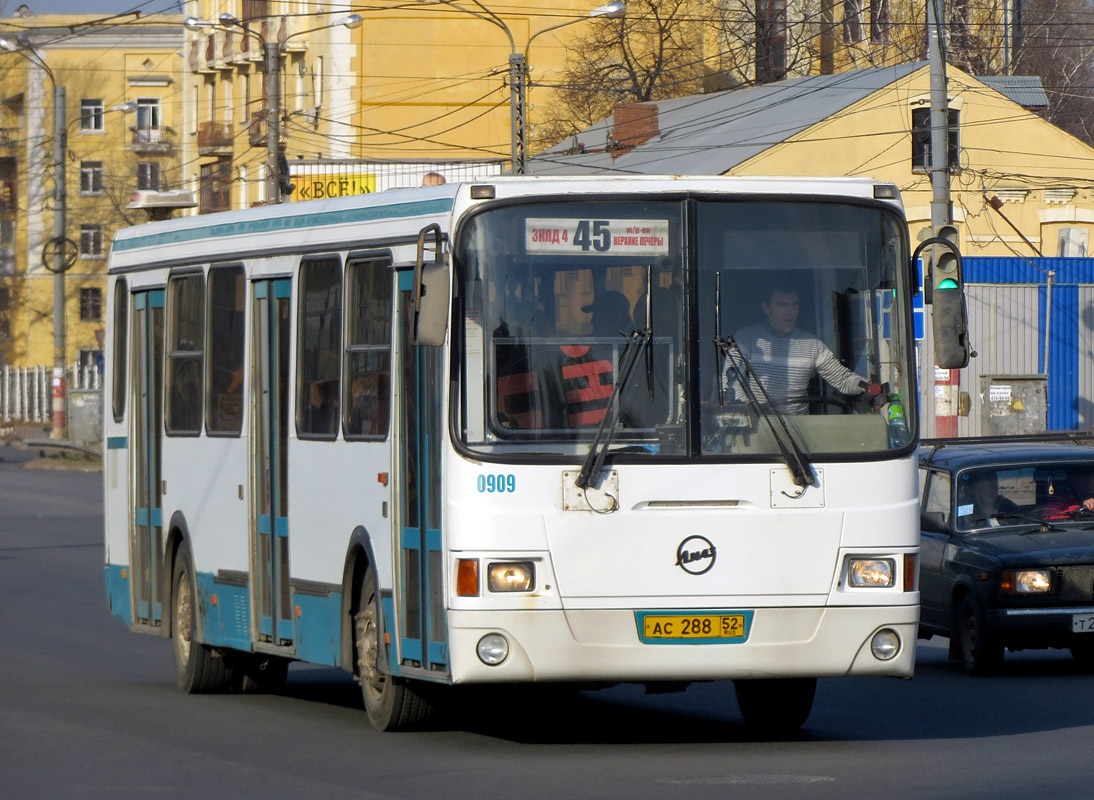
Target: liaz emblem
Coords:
[[696, 555]]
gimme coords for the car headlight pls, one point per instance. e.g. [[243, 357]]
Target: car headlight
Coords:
[[1026, 581], [877, 573], [511, 576]]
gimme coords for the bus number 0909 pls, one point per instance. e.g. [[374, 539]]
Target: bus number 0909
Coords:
[[497, 483]]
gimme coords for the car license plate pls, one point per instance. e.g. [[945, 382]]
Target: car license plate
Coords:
[[1082, 623], [703, 627]]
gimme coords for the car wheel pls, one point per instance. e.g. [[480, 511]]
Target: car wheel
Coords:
[[981, 652], [776, 706], [391, 703]]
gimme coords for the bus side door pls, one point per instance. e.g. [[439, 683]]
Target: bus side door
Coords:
[[146, 537], [423, 637]]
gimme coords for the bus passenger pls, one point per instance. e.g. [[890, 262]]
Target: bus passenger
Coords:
[[785, 358]]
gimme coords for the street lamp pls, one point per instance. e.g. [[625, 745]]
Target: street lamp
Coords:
[[518, 71], [271, 66], [23, 47]]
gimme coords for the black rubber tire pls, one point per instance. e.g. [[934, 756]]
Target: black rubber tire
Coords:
[[391, 703], [776, 706], [198, 668], [981, 652]]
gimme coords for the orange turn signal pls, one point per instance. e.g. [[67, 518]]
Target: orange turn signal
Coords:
[[467, 577], [910, 561]]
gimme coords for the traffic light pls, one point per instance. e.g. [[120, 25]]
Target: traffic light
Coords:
[[944, 290]]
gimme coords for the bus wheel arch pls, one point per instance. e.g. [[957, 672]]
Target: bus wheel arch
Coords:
[[178, 535], [359, 557]]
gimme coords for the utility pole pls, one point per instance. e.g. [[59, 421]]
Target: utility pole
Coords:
[[939, 170], [60, 202], [271, 52], [518, 113]]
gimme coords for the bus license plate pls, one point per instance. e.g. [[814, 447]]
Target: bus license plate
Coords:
[[1082, 623], [692, 627]]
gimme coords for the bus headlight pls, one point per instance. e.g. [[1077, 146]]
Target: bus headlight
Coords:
[[875, 573], [492, 649], [511, 576], [1026, 581]]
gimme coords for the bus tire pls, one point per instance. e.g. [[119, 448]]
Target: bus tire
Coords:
[[775, 706], [391, 703], [198, 668]]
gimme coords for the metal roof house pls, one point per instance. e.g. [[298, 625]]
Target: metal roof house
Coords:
[[1023, 200]]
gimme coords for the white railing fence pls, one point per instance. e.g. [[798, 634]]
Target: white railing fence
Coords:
[[26, 393]]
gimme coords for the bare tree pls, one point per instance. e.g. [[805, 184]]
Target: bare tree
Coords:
[[1056, 43], [654, 52]]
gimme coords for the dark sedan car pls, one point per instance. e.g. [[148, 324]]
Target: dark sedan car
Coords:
[[1007, 558]]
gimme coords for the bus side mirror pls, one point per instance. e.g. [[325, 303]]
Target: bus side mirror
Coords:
[[946, 295], [431, 283]]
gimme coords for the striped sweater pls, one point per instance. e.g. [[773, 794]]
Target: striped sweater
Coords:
[[785, 363]]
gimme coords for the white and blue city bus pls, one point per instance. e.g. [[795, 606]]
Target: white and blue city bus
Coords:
[[394, 433]]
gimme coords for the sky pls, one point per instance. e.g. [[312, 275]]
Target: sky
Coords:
[[104, 7]]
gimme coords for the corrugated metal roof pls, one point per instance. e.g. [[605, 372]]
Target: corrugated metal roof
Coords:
[[1025, 90], [709, 134]]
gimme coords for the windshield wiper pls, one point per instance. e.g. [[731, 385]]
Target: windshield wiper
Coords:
[[637, 342], [796, 460]]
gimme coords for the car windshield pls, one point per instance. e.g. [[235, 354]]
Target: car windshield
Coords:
[[1002, 497], [553, 292]]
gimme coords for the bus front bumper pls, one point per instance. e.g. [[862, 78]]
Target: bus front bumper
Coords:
[[605, 646]]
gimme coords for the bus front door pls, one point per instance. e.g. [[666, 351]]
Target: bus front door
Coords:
[[423, 640], [270, 401], [146, 536]]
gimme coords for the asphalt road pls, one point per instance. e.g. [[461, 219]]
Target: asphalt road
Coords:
[[89, 710]]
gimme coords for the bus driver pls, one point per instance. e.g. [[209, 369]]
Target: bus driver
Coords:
[[784, 358]]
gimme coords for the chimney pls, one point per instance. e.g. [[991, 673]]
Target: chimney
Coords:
[[635, 124]]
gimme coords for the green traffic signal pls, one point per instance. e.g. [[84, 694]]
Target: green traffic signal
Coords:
[[947, 283]]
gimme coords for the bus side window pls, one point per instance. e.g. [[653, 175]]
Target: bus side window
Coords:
[[367, 380], [224, 401], [185, 354], [320, 348], [121, 353]]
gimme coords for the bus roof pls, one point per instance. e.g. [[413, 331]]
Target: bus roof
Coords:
[[402, 212]]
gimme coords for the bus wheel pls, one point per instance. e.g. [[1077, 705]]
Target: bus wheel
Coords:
[[776, 706], [197, 667], [391, 703]]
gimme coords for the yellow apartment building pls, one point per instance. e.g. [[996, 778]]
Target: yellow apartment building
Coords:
[[370, 97], [121, 125]]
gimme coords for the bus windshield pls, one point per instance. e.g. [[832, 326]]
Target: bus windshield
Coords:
[[760, 321]]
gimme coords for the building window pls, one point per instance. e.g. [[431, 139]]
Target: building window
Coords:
[[921, 139], [91, 241], [255, 10], [852, 21], [91, 115], [319, 348], [879, 21], [91, 177], [91, 304], [770, 40], [216, 186], [148, 113], [5, 313], [148, 176]]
